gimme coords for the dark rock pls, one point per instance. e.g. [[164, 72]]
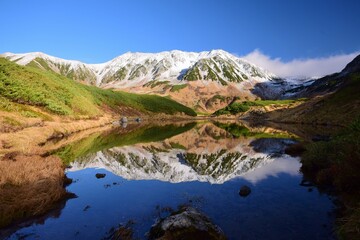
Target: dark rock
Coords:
[[244, 191], [100, 175], [186, 223], [86, 208]]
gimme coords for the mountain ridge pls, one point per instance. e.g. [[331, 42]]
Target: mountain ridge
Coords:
[[167, 65], [191, 78]]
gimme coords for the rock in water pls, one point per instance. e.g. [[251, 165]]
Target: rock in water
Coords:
[[244, 191], [186, 223], [124, 120], [100, 175]]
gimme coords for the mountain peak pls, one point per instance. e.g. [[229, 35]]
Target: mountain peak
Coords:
[[133, 69]]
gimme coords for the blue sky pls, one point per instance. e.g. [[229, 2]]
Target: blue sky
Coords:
[[97, 31]]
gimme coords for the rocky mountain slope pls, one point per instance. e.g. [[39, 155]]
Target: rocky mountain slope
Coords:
[[205, 81], [132, 68], [327, 84], [188, 77]]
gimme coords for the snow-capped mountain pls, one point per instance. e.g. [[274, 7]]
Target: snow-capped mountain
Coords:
[[139, 68], [205, 81], [69, 68]]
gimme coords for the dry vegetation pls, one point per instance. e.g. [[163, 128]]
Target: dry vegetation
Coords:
[[29, 186], [28, 140]]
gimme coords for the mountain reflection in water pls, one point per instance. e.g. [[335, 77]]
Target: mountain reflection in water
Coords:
[[207, 152], [150, 169]]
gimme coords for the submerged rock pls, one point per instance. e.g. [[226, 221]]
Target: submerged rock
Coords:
[[100, 175], [244, 191], [186, 223], [120, 233]]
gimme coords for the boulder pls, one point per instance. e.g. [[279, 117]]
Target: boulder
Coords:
[[124, 120], [100, 175], [186, 223]]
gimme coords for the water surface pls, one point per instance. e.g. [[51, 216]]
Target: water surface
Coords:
[[153, 169]]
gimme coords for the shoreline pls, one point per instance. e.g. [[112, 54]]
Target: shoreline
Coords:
[[31, 140]]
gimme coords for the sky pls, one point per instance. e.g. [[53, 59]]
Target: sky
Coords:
[[274, 33]]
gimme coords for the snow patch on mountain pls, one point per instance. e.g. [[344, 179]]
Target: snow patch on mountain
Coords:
[[26, 58], [132, 69]]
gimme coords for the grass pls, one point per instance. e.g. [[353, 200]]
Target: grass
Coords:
[[336, 164], [175, 145], [142, 102], [24, 110], [153, 84], [239, 107], [177, 88], [62, 96], [341, 106]]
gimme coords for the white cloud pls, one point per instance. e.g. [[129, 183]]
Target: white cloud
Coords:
[[313, 67]]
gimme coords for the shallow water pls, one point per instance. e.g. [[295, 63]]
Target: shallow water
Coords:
[[152, 169]]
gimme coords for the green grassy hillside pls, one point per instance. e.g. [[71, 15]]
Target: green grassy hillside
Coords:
[[243, 106], [62, 96]]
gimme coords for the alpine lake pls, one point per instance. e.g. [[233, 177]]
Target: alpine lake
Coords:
[[138, 173]]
